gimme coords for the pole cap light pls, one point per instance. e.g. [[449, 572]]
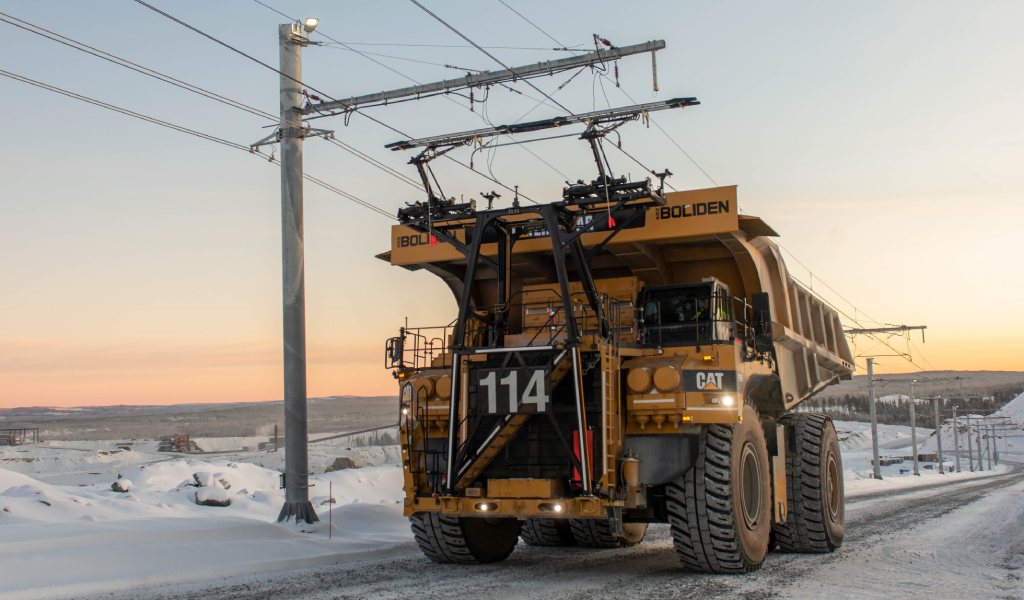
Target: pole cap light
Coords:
[[311, 24]]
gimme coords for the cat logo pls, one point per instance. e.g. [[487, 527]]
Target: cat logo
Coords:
[[710, 382]]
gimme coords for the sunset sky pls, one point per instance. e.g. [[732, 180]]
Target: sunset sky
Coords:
[[884, 141]]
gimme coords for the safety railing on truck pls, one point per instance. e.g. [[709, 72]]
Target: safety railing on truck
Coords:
[[519, 324], [718, 318]]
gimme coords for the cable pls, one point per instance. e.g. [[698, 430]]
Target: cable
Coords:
[[555, 40], [407, 45], [856, 321], [122, 62], [389, 127], [123, 111], [186, 130], [642, 165], [712, 180], [671, 139], [324, 94], [393, 57], [535, 26], [488, 54], [376, 163], [825, 283], [82, 47]]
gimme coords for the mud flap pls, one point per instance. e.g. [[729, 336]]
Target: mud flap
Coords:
[[779, 475]]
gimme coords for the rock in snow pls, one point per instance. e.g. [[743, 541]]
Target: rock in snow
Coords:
[[122, 485], [213, 495]]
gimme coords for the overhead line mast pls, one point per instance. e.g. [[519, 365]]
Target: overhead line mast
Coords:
[[485, 78]]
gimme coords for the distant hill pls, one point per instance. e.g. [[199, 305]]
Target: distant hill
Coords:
[[973, 383], [240, 419], [980, 392]]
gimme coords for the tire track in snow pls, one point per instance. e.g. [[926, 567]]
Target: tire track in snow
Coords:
[[649, 570]]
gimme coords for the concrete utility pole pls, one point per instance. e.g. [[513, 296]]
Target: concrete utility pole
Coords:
[[938, 432], [991, 436], [970, 446], [981, 457], [990, 446], [877, 467], [956, 440], [296, 461], [913, 429]]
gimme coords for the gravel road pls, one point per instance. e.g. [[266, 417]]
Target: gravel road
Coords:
[[948, 541]]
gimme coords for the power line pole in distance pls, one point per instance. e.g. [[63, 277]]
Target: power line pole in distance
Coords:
[[970, 446], [938, 432], [913, 429], [956, 439], [877, 467]]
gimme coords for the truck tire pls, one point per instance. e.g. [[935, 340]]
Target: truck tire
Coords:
[[719, 512], [547, 532], [599, 533], [815, 520], [467, 540]]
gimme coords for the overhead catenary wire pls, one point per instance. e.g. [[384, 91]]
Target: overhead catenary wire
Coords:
[[714, 182], [123, 111], [411, 45], [320, 92], [389, 127], [535, 26], [617, 147], [188, 131], [123, 62], [136, 67], [405, 58], [481, 49]]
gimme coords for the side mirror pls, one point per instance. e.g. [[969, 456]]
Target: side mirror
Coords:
[[761, 321], [394, 352]]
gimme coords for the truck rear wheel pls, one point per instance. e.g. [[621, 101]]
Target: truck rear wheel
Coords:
[[451, 539], [547, 532], [719, 512], [599, 533], [814, 486]]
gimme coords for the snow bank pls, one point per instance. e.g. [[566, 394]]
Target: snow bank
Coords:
[[858, 486], [155, 532]]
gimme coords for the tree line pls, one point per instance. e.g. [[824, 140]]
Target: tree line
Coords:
[[854, 407]]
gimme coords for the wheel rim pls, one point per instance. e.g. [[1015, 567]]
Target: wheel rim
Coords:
[[832, 481], [750, 494]]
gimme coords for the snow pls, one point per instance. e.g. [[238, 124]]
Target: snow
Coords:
[[974, 551], [57, 508], [155, 533]]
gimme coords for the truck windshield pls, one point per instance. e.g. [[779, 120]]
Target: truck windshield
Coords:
[[680, 315]]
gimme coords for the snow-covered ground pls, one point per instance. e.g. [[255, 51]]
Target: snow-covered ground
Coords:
[[65, 533]]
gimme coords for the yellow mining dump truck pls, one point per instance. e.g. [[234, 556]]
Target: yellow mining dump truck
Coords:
[[620, 357]]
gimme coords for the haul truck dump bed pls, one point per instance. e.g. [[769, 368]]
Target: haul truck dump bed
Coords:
[[620, 357]]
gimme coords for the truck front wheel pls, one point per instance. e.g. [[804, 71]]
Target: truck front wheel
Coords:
[[451, 539], [719, 512]]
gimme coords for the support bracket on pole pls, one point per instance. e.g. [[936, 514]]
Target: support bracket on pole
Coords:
[[305, 132]]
